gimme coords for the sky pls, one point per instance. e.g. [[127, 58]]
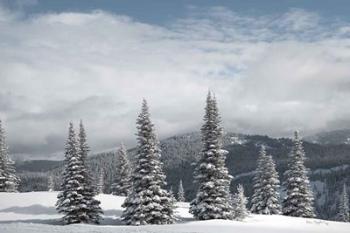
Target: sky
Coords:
[[274, 66]]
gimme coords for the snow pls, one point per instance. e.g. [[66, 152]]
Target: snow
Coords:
[[34, 212], [323, 171], [236, 140]]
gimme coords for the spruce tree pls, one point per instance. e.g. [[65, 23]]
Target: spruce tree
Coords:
[[211, 174], [239, 204], [8, 179], [71, 198], [265, 199], [122, 180], [93, 209], [50, 184], [148, 202], [181, 193], [173, 199], [3, 168], [74, 202], [12, 181], [343, 207], [299, 198]]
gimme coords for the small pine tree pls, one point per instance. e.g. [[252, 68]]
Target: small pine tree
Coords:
[[51, 184], [3, 168], [211, 174], [8, 179], [343, 207], [265, 199], [148, 202], [12, 179], [299, 198], [181, 193], [239, 204], [122, 180], [172, 196]]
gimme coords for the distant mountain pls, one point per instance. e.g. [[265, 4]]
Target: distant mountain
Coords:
[[334, 137], [37, 165], [329, 164]]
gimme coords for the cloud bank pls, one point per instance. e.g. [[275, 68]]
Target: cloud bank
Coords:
[[271, 75]]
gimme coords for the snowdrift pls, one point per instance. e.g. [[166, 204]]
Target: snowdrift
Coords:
[[35, 212]]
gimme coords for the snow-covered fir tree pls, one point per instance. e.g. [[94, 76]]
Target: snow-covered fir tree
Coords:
[[8, 179], [70, 199], [93, 210], [211, 174], [12, 181], [299, 197], [148, 202], [3, 168], [122, 180], [181, 192], [50, 184], [343, 206], [265, 199], [173, 199], [239, 204], [74, 201]]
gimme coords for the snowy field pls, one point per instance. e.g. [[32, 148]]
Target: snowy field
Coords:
[[35, 213]]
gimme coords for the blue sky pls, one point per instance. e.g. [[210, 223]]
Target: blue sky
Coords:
[[160, 11], [275, 66]]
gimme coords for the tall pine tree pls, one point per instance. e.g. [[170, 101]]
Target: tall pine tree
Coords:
[[239, 204], [343, 207], [299, 198], [211, 174], [148, 202], [76, 201], [93, 209], [181, 192], [122, 180], [265, 199], [8, 179]]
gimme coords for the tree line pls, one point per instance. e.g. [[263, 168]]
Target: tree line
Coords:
[[148, 202]]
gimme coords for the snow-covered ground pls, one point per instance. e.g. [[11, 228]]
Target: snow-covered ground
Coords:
[[35, 213]]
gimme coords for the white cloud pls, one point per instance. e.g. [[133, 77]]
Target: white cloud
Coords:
[[271, 74]]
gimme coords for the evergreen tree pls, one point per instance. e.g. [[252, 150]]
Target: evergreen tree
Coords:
[[148, 202], [299, 198], [265, 199], [3, 168], [122, 179], [343, 207], [51, 185], [239, 204], [173, 199], [73, 201], [8, 179], [181, 193], [211, 174], [93, 209]]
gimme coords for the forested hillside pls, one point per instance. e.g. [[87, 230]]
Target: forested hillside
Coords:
[[329, 165]]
